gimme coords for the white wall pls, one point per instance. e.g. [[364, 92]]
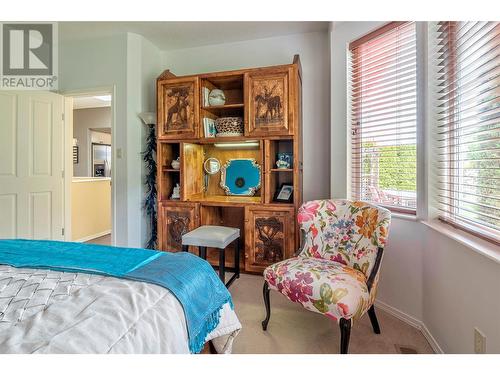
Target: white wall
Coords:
[[425, 274], [93, 63], [143, 67], [125, 62], [313, 49], [150, 70], [461, 290], [83, 121]]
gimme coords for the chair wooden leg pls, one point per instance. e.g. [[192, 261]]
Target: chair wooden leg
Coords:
[[265, 293], [345, 334], [202, 252], [237, 258], [373, 319]]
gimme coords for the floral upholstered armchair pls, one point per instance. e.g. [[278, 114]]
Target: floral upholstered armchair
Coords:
[[337, 271]]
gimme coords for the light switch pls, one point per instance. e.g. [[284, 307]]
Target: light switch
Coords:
[[118, 153]]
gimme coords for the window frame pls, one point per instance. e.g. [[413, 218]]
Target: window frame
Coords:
[[420, 182], [476, 229]]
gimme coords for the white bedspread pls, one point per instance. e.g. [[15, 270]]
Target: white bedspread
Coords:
[[43, 311]]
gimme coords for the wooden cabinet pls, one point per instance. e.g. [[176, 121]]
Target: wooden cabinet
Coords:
[[178, 108], [268, 101], [176, 218], [270, 236]]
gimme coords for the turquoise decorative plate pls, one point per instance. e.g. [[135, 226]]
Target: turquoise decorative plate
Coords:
[[240, 177]]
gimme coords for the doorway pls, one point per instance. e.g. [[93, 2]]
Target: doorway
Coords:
[[91, 183]]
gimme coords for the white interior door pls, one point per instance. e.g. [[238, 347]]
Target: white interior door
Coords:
[[31, 165]]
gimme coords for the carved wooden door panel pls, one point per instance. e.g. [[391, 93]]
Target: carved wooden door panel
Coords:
[[178, 108], [176, 220], [267, 100], [269, 236]]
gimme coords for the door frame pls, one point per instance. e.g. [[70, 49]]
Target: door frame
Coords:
[[68, 154]]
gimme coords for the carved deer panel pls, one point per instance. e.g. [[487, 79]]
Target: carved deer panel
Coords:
[[177, 220], [178, 108], [268, 103], [269, 236]]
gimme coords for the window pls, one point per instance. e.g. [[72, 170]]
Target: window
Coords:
[[467, 97], [383, 104]]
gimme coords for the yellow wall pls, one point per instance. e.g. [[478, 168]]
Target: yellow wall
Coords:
[[90, 208]]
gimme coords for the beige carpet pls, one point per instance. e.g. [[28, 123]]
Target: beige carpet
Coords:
[[292, 329]]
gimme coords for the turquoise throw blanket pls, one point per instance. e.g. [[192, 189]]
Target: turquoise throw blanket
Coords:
[[190, 278]]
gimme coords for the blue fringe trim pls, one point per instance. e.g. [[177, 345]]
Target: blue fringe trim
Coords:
[[196, 343]]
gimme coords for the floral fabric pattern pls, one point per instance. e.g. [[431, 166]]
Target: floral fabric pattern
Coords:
[[348, 232], [323, 286], [342, 239]]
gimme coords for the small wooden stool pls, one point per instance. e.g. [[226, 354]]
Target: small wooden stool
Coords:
[[217, 237]]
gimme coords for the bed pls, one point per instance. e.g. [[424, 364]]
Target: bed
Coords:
[[48, 311]]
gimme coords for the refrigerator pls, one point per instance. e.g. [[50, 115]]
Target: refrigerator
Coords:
[[101, 160]]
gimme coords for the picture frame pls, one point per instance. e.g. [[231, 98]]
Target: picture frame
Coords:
[[209, 128], [284, 194]]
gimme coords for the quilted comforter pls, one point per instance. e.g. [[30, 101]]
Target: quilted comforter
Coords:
[[44, 311]]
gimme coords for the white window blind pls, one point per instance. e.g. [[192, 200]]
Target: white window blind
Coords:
[[467, 97], [383, 104]]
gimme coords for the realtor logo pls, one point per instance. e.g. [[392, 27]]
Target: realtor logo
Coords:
[[28, 56]]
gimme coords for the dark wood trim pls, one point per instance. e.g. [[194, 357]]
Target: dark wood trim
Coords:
[[166, 75], [265, 294], [373, 320], [345, 334], [376, 267], [296, 61]]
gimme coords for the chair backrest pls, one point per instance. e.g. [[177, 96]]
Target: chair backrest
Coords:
[[348, 232]]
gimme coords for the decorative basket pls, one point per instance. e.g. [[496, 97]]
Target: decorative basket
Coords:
[[229, 126]]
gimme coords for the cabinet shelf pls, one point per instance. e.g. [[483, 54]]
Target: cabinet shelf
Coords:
[[281, 170], [220, 200], [164, 169], [222, 107], [224, 140]]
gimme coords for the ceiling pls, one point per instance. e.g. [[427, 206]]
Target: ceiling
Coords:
[[177, 35], [82, 102]]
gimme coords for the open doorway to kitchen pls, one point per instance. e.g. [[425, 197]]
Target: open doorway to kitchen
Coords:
[[91, 185]]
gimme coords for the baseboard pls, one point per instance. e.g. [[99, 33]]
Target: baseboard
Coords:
[[93, 236], [414, 322], [431, 340]]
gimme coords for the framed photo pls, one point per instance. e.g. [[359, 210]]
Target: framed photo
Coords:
[[284, 193], [209, 127]]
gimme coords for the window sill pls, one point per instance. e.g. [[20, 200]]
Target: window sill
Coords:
[[478, 245], [399, 215]]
